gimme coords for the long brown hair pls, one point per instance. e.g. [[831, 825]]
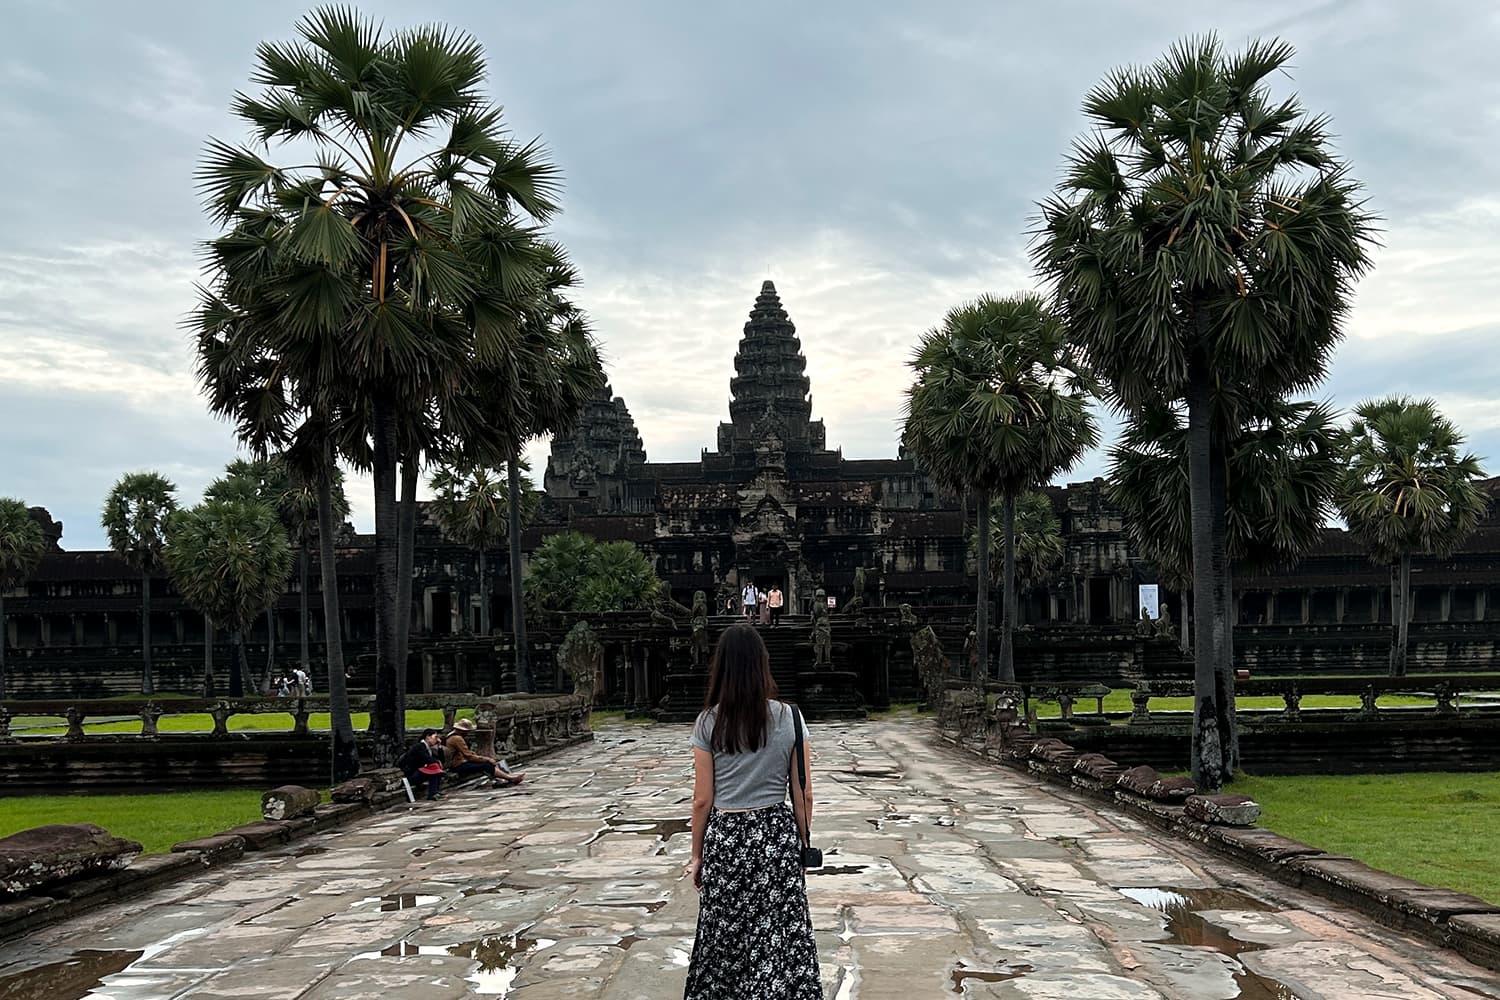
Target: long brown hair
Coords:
[[739, 685]]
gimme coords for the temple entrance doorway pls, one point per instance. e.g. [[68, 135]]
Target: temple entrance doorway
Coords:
[[1099, 604], [440, 620]]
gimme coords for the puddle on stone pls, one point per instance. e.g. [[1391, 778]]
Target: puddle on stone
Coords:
[[1186, 927], [496, 957], [963, 974], [837, 870], [650, 907], [665, 829], [399, 901], [309, 851], [73, 978], [485, 890]]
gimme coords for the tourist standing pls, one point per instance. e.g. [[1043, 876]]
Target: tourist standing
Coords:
[[763, 603], [755, 936], [747, 600], [775, 599]]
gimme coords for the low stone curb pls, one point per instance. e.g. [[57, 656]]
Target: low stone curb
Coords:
[[23, 914], [1224, 824]]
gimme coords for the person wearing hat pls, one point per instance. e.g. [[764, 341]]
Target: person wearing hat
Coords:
[[465, 762]]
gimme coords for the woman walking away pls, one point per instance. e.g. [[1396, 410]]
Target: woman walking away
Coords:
[[755, 936]]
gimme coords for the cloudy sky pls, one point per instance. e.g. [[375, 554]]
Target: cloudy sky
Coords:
[[879, 160]]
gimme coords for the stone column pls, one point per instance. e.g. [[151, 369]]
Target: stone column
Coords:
[[43, 631], [1306, 607], [1051, 604], [1376, 599], [177, 628], [1446, 606], [111, 630], [643, 680], [78, 628], [1340, 604], [1481, 600]]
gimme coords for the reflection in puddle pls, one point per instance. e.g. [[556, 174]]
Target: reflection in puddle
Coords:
[[496, 956], [1185, 927], [963, 974], [664, 829], [70, 979], [399, 901]]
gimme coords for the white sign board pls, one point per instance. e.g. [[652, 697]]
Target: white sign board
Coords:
[[1150, 599]]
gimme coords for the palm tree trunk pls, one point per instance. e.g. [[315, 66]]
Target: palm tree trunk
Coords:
[[982, 603], [148, 683], [239, 662], [405, 562], [484, 593], [208, 657], [345, 750], [1184, 640], [1229, 734], [524, 680], [4, 638], [1402, 619], [384, 727], [302, 622], [265, 684], [236, 681], [1208, 749], [1008, 593]]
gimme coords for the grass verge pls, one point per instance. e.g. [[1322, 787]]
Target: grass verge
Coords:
[[1435, 828], [158, 821], [200, 722]]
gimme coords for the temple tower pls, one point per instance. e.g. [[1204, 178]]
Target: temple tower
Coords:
[[770, 405], [594, 460]]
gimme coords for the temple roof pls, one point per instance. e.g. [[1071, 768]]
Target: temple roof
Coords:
[[770, 404]]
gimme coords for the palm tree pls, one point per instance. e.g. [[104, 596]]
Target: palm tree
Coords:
[[1407, 489], [998, 405], [298, 507], [1283, 463], [560, 567], [538, 388], [263, 480], [1038, 540], [21, 547], [1205, 237], [230, 559], [379, 257], [621, 578], [135, 518], [470, 505]]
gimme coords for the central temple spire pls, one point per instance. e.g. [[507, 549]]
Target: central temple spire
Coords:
[[770, 400]]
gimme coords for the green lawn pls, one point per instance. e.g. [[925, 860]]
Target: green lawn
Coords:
[[1436, 828], [201, 722], [1118, 700], [157, 821]]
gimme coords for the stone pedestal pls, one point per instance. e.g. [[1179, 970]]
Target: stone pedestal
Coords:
[[684, 698]]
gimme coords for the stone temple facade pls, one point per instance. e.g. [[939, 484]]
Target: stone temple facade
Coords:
[[771, 503]]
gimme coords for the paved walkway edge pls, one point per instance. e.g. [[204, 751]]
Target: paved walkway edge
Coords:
[[1445, 917], [150, 871]]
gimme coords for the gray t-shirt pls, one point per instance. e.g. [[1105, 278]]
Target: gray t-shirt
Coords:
[[752, 779]]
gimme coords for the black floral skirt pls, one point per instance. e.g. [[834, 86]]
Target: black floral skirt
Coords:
[[755, 938]]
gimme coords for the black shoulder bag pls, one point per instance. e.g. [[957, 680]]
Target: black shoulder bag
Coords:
[[812, 857]]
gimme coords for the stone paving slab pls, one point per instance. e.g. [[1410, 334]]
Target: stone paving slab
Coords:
[[945, 877]]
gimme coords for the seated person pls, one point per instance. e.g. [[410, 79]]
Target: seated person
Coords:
[[421, 761], [465, 762]]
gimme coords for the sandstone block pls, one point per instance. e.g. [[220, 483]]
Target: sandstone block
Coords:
[[216, 849], [1223, 810], [46, 855], [289, 802]]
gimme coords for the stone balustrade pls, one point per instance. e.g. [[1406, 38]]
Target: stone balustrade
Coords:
[[76, 715]]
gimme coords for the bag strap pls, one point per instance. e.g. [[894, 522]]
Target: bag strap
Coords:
[[799, 765]]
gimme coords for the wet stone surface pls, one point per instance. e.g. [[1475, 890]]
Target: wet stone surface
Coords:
[[945, 877]]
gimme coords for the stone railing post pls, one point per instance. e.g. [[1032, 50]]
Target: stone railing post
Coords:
[[484, 729], [1140, 704], [1065, 702], [221, 713], [1292, 699], [5, 724], [505, 732], [75, 722], [299, 717], [450, 712], [1367, 699], [151, 714]]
